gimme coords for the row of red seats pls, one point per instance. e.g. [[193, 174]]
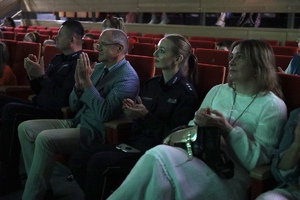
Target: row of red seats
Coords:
[[217, 57], [146, 36]]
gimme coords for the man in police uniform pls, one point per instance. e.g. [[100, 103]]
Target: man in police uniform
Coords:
[[52, 89]]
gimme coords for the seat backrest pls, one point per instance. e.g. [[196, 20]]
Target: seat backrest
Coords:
[[42, 38], [282, 61], [285, 50], [143, 39], [289, 84], [153, 35], [31, 30], [9, 35], [207, 77], [203, 38], [20, 30], [50, 52], [95, 31], [156, 40], [291, 43], [12, 46], [22, 51], [224, 38], [143, 65], [203, 44], [133, 34], [41, 27], [143, 49], [273, 42], [20, 36], [88, 44], [9, 29], [93, 55], [212, 56], [54, 28], [46, 32]]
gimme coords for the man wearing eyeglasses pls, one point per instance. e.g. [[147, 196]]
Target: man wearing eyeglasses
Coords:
[[97, 97], [51, 88]]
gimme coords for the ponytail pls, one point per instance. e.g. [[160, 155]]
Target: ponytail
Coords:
[[192, 69]]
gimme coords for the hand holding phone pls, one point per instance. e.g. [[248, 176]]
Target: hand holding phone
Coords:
[[128, 149]]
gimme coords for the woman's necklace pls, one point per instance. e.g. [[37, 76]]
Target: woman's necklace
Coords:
[[233, 107]]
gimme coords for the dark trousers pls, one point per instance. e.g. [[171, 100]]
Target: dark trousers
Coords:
[[100, 170], [13, 112]]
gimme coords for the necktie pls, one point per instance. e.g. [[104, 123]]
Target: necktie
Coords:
[[104, 73]]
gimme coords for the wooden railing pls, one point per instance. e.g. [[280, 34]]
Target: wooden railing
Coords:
[[180, 6], [230, 32]]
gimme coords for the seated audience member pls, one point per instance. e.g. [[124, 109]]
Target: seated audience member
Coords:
[[97, 97], [118, 23], [249, 113], [45, 43], [224, 45], [162, 100], [285, 165], [8, 22], [52, 88], [113, 22], [294, 65], [7, 76], [32, 37], [89, 36]]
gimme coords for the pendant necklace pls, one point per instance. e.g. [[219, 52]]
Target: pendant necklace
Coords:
[[233, 107]]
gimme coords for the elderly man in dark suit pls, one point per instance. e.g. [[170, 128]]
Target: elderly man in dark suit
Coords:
[[97, 97]]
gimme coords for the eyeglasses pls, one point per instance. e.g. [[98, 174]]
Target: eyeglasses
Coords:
[[97, 46]]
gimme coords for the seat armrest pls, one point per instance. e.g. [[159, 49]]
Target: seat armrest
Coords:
[[17, 91], [68, 113], [262, 180], [117, 130], [119, 123], [261, 172]]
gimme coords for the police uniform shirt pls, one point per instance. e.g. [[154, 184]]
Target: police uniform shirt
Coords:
[[169, 104]]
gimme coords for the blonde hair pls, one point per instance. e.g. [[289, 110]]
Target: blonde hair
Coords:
[[114, 22], [34, 36], [181, 46]]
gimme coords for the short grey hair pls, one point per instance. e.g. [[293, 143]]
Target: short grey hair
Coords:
[[120, 37]]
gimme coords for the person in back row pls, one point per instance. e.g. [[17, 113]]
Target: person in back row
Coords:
[[7, 76], [165, 102], [224, 45], [250, 115], [294, 65], [52, 89], [96, 97], [286, 163], [32, 37], [8, 22], [113, 22]]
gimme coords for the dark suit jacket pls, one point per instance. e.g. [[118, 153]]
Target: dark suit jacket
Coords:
[[103, 101]]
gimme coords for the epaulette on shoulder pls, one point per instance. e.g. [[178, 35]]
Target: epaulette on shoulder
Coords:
[[188, 86]]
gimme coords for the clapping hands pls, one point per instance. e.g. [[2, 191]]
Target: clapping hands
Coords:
[[134, 110], [83, 72], [33, 68]]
